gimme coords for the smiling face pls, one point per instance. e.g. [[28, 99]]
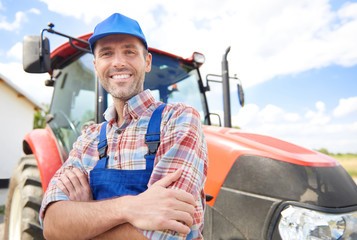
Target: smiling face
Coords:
[[121, 62]]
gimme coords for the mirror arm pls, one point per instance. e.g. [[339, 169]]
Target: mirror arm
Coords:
[[41, 55], [50, 30], [79, 48], [220, 81]]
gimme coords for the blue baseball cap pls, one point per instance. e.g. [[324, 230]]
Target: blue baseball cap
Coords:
[[117, 24]]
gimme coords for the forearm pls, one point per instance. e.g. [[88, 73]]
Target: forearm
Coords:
[[157, 208], [82, 220], [122, 232]]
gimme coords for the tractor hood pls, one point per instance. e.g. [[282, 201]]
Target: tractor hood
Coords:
[[226, 145], [233, 143]]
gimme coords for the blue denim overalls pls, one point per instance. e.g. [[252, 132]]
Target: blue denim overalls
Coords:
[[108, 183]]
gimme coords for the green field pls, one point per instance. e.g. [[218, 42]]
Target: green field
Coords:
[[348, 161]]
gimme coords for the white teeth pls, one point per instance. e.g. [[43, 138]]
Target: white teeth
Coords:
[[121, 76]]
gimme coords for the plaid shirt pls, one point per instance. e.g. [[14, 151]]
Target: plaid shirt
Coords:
[[182, 146]]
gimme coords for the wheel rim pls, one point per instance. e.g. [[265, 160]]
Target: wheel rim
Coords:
[[15, 215]]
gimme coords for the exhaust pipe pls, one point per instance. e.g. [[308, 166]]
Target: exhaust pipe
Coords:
[[226, 91]]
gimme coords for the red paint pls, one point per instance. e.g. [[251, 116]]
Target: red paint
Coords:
[[65, 51], [44, 147], [226, 145]]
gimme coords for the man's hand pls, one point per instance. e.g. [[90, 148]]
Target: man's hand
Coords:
[[160, 208], [74, 183]]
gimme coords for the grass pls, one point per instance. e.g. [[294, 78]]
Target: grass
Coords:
[[2, 209], [348, 161]]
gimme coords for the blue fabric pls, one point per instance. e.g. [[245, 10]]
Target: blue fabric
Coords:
[[102, 147], [117, 24], [108, 183]]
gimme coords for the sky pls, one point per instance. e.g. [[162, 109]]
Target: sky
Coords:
[[296, 59]]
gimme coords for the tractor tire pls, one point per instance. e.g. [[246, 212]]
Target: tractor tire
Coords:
[[23, 202]]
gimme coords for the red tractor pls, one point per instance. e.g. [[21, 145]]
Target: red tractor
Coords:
[[258, 187]]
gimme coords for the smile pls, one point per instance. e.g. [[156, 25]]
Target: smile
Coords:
[[121, 76]]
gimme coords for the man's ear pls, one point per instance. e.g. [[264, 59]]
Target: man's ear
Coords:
[[95, 67], [148, 62]]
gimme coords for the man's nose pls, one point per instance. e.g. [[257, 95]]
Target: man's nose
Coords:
[[118, 60]]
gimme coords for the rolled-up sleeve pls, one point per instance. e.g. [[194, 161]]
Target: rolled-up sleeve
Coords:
[[80, 158]]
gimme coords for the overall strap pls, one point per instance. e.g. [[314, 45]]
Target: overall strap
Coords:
[[152, 139], [102, 147], [152, 136]]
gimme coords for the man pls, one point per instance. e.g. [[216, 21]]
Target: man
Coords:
[[173, 204]]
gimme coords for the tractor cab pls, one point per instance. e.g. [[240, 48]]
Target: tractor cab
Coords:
[[79, 98]]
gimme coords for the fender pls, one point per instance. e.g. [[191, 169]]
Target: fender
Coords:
[[222, 154], [43, 145]]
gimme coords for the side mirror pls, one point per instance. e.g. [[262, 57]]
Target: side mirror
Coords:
[[36, 54]]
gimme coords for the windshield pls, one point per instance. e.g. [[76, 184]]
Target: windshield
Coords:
[[74, 101], [173, 81]]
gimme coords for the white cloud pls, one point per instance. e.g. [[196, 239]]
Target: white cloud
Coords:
[[348, 11], [318, 117], [269, 36], [247, 114], [271, 113], [292, 117], [345, 107], [11, 26], [32, 84], [252, 115], [35, 11], [314, 131], [16, 51], [20, 17], [94, 10]]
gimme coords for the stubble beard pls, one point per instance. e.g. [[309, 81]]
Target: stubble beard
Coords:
[[124, 92]]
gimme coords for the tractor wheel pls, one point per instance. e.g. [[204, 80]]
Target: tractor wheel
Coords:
[[24, 202]]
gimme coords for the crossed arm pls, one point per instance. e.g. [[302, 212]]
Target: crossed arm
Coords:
[[158, 208]]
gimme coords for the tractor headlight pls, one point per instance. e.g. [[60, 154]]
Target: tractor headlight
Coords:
[[301, 223]]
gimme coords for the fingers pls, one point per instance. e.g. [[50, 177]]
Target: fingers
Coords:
[[184, 196], [182, 206], [169, 178], [179, 210], [171, 209], [71, 177], [63, 188], [74, 183], [183, 217], [178, 227], [65, 184], [81, 177]]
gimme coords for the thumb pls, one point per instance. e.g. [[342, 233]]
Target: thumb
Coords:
[[169, 178]]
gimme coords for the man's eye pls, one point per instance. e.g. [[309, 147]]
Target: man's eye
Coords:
[[105, 54], [130, 52]]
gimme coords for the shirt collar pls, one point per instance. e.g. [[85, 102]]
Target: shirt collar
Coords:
[[134, 107]]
